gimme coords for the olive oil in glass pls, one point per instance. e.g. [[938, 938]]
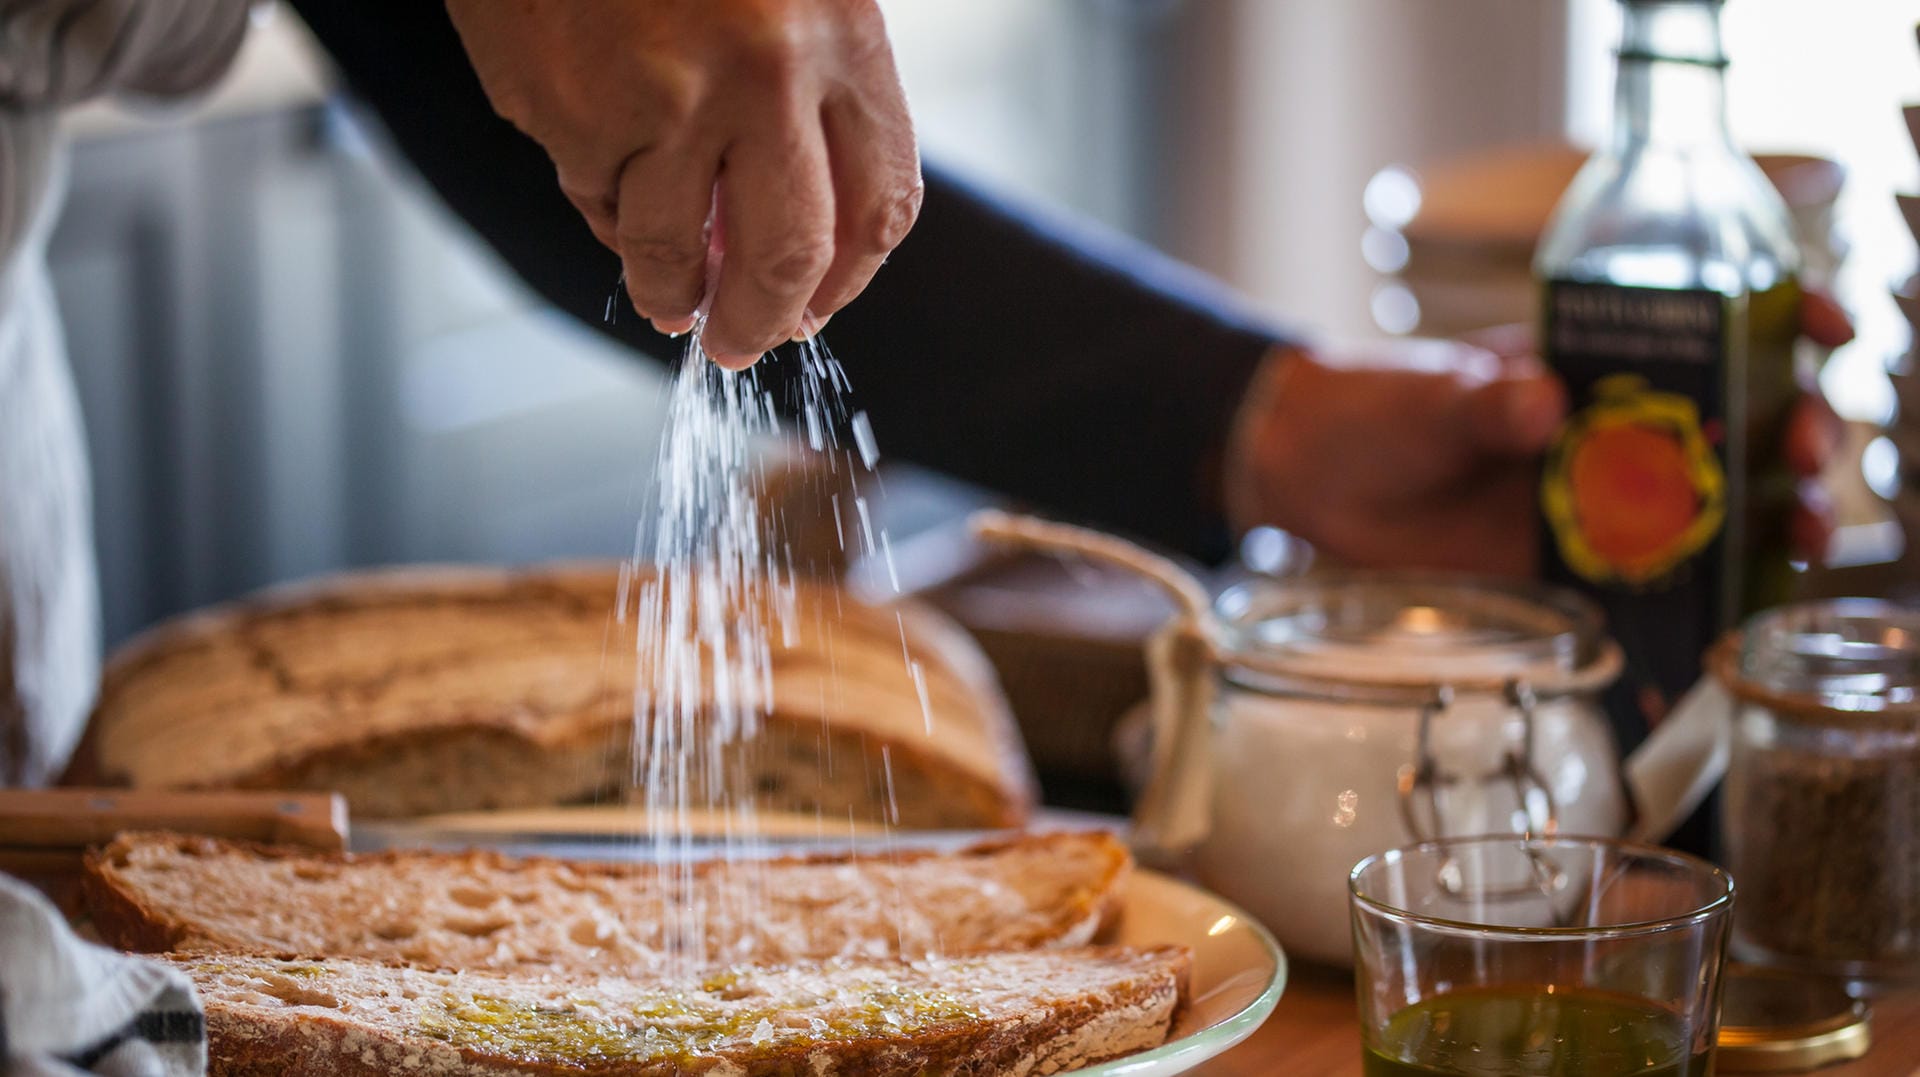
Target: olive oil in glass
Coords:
[[1532, 1030], [1670, 307], [1514, 956]]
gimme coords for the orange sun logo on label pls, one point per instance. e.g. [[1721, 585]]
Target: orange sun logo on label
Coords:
[[1632, 488]]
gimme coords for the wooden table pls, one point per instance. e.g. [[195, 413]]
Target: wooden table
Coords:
[[1313, 1032]]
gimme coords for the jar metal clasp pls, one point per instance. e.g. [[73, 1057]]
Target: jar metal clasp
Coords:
[[1420, 784]]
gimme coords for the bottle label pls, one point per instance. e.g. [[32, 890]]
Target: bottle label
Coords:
[[1635, 493], [1634, 488]]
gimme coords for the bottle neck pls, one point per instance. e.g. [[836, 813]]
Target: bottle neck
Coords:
[[1670, 90]]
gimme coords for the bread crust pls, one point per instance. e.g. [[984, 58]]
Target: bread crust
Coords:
[[312, 722], [121, 918]]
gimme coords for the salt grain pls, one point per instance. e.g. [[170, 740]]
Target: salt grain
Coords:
[[863, 439]]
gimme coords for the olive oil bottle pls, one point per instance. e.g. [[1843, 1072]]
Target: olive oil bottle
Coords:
[[1670, 307]]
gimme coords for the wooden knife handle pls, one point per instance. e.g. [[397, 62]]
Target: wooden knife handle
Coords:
[[51, 819]]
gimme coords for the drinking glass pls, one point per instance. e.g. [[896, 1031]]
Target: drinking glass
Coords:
[[1511, 956]]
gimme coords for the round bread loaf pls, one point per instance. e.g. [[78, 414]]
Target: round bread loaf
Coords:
[[422, 690]]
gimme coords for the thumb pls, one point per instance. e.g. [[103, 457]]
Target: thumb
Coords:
[[1517, 414]]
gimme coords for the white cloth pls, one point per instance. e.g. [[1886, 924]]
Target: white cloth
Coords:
[[69, 1007], [53, 53], [49, 600]]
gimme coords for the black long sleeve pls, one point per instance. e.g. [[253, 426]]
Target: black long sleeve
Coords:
[[1080, 372]]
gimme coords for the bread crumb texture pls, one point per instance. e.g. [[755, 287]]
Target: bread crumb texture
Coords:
[[1022, 1013], [477, 910]]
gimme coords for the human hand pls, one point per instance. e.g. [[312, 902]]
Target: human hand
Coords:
[[1408, 454], [1423, 454], [752, 159], [1815, 432]]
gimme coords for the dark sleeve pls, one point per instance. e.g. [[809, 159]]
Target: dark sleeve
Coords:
[[1074, 370]]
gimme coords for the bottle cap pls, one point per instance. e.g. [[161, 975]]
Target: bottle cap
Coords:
[[1779, 1022]]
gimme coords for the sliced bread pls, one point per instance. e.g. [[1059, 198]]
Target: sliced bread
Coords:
[[432, 690], [1002, 1013], [476, 910]]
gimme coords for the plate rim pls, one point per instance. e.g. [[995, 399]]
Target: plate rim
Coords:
[[1214, 1040]]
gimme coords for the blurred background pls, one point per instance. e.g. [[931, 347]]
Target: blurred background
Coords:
[[292, 360]]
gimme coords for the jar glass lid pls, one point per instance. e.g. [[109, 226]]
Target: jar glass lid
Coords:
[[1406, 629], [1852, 654]]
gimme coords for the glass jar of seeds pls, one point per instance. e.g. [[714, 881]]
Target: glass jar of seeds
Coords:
[[1822, 812]]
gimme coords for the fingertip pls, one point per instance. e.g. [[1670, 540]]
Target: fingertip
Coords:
[[1824, 321], [725, 353], [1510, 416], [1813, 436], [672, 327], [810, 326], [668, 298], [834, 293], [1512, 341], [732, 362], [1535, 408], [1813, 524]]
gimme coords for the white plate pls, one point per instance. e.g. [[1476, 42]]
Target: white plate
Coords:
[[1238, 972]]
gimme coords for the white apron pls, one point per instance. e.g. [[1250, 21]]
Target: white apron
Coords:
[[54, 53]]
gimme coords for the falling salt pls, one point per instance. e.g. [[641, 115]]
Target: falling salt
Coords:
[[623, 591], [863, 439], [815, 439], [702, 641], [920, 689], [719, 599], [886, 768], [866, 524], [886, 554]]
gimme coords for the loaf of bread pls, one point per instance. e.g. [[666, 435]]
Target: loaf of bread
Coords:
[[1004, 1013], [429, 690], [155, 892]]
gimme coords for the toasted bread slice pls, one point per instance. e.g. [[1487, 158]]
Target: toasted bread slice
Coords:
[[1004, 1013], [473, 910]]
